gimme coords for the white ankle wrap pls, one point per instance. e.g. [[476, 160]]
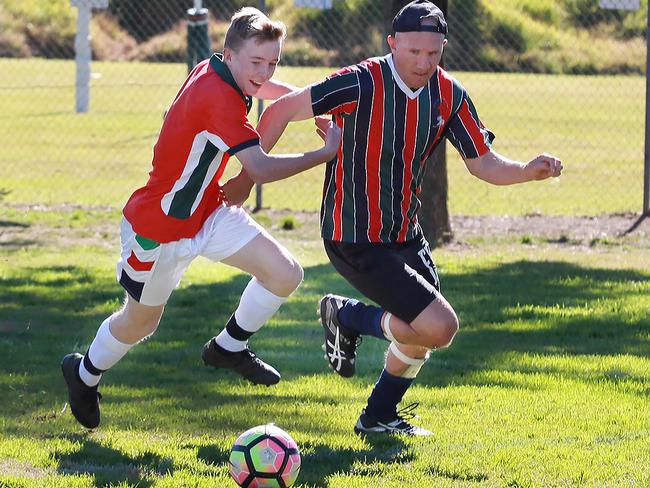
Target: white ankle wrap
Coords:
[[387, 332], [415, 364]]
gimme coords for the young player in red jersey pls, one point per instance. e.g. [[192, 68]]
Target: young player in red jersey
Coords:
[[183, 212], [393, 111]]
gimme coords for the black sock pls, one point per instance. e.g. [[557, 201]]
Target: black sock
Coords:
[[386, 395], [362, 318]]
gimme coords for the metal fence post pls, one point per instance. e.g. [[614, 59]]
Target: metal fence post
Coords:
[[83, 51], [260, 109], [198, 38], [646, 156], [646, 171]]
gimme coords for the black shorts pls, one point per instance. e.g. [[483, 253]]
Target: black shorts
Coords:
[[400, 277]]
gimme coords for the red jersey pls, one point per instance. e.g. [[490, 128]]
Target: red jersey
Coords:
[[205, 125]]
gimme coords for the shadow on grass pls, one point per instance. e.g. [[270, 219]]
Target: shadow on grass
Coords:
[[110, 466], [14, 242], [13, 223], [54, 310], [320, 461]]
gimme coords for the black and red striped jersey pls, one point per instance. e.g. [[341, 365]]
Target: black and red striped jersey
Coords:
[[389, 131]]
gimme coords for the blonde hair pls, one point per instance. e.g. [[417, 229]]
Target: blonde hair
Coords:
[[250, 23]]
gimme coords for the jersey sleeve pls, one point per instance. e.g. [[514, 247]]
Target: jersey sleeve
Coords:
[[336, 94], [231, 130], [465, 130]]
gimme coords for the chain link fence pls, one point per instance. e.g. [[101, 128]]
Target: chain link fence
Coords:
[[565, 77]]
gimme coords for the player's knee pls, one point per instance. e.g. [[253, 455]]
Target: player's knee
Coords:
[[285, 282], [146, 327], [294, 276], [139, 325], [442, 333]]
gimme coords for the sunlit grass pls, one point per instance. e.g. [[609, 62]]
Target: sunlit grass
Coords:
[[545, 385], [52, 155]]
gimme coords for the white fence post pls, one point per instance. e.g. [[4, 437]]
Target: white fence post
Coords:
[[83, 52]]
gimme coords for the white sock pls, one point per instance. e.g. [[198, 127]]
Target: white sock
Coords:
[[103, 353], [229, 343], [256, 306]]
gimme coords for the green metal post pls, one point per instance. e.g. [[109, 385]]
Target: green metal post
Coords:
[[198, 38]]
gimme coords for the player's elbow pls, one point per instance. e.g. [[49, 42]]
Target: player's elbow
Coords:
[[259, 173], [479, 170]]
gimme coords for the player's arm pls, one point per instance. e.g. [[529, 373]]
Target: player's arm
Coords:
[[498, 170], [264, 168], [292, 106], [237, 189], [274, 89]]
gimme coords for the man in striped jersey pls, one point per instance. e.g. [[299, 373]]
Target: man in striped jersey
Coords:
[[393, 110], [183, 212]]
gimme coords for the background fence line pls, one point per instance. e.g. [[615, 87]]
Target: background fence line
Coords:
[[565, 77]]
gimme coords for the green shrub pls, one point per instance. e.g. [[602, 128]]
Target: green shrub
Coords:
[[144, 19], [544, 36], [359, 21], [301, 52], [546, 11], [288, 222]]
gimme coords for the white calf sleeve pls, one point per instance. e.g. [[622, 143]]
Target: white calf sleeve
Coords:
[[415, 364], [256, 306], [103, 353]]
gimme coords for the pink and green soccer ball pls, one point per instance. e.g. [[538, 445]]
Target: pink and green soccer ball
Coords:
[[264, 457]]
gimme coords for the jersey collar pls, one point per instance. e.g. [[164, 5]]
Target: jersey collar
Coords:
[[224, 72], [400, 82]]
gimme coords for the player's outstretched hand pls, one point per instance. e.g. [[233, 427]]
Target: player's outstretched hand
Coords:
[[332, 139], [544, 166], [321, 126], [236, 189]]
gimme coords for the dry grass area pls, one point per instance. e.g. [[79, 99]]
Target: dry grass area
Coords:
[[60, 226]]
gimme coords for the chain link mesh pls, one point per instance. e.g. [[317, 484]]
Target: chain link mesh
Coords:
[[565, 77]]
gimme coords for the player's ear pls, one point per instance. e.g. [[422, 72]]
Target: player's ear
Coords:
[[444, 42], [391, 42], [227, 54]]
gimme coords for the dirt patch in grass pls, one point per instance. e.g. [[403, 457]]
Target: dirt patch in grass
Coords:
[[559, 229], [103, 229], [585, 232], [21, 469]]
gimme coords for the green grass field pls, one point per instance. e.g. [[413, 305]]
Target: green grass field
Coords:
[[546, 384], [52, 155]]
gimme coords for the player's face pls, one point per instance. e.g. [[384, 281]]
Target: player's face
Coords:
[[416, 55], [253, 64]]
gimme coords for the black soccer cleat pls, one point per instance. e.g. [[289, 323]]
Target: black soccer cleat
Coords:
[[83, 399], [340, 342], [396, 425], [245, 362]]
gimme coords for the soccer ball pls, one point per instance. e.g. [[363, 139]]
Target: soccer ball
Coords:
[[264, 456]]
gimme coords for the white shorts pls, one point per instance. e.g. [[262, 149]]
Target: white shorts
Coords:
[[150, 271]]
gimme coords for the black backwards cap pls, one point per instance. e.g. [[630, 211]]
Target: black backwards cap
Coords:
[[409, 19]]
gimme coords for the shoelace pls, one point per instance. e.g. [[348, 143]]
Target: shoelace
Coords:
[[253, 356], [250, 354], [348, 342], [92, 394], [407, 412]]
